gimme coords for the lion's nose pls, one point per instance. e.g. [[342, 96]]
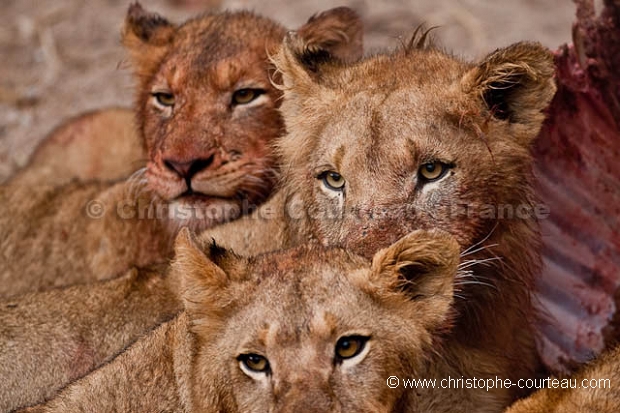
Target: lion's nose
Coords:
[[187, 169]]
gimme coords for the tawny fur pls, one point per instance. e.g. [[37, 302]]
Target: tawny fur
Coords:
[[49, 235], [596, 389], [99, 145], [291, 307], [50, 339], [81, 232], [376, 123]]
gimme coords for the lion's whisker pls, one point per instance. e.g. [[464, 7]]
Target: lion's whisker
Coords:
[[485, 261], [483, 240]]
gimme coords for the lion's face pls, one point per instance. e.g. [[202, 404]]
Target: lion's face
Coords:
[[386, 170], [407, 141], [313, 329], [208, 111]]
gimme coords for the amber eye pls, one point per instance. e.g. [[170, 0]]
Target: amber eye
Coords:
[[244, 96], [254, 362], [333, 180], [349, 347], [432, 171], [164, 98]]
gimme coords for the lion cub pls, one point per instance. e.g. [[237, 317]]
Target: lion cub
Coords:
[[310, 329], [103, 144], [596, 389], [207, 114], [417, 139], [52, 338]]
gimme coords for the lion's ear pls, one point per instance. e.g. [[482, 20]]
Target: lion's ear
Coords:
[[330, 38], [147, 37], [297, 64], [338, 32], [204, 277], [419, 267], [515, 83], [301, 66]]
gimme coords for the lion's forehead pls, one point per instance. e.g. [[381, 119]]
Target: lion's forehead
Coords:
[[223, 32], [197, 71], [223, 47], [312, 329], [388, 133], [419, 88], [295, 266], [301, 300], [417, 68]]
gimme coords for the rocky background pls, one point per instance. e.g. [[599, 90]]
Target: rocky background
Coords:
[[63, 57]]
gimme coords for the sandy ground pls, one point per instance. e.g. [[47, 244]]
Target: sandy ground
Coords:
[[63, 57]]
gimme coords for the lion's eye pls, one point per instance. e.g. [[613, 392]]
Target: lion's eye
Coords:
[[349, 347], [432, 171], [333, 180], [254, 362], [164, 98], [244, 96]]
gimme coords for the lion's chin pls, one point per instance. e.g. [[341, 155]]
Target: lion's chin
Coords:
[[201, 212]]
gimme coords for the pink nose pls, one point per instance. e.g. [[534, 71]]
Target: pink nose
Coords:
[[187, 169]]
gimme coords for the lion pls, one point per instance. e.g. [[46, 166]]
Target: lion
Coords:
[[52, 338], [418, 139], [594, 389], [99, 145], [309, 329], [207, 114]]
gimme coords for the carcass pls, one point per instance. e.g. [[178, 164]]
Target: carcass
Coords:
[[578, 167]]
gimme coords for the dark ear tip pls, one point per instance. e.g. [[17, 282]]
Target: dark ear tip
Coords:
[[135, 11], [214, 248], [216, 252], [145, 25]]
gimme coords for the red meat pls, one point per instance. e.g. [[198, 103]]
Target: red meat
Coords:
[[578, 165]]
